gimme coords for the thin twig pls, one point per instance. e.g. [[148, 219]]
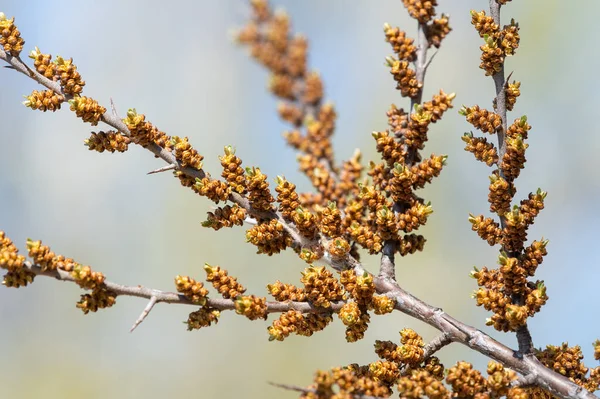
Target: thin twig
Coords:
[[436, 344], [113, 108], [162, 169], [145, 313]]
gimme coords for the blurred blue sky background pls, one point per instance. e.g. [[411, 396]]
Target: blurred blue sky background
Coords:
[[176, 63]]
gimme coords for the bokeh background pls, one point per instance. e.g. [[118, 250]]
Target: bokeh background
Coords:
[[176, 62]]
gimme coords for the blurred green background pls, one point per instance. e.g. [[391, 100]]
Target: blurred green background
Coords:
[[175, 62]]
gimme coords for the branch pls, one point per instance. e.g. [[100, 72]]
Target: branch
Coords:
[[531, 368], [524, 340], [157, 296]]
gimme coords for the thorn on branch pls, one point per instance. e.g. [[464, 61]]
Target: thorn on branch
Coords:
[[145, 313], [163, 169]]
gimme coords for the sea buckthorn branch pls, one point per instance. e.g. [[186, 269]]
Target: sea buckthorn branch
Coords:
[[505, 291], [361, 290]]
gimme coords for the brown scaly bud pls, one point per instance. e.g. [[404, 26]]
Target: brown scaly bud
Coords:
[[42, 63], [509, 38], [86, 278], [421, 10], [46, 100], [191, 289], [515, 232], [514, 275], [514, 158], [313, 89], [252, 307], [484, 24], [403, 46], [306, 222], [351, 172], [319, 175], [9, 254], [282, 86], [87, 109], [357, 330], [312, 323], [487, 278], [287, 197], [415, 135], [532, 206], [438, 30], [321, 287], [338, 248], [536, 298], [486, 228], [414, 217], [491, 299], [18, 278], [185, 153], [203, 317], [479, 146], [291, 113], [482, 119], [311, 256], [269, 237], [386, 223], [534, 256], [366, 237], [214, 190], [144, 133], [564, 360], [513, 90], [380, 174], [382, 304], [227, 286], [499, 378], [466, 382], [100, 298], [353, 213], [285, 325], [295, 60], [492, 56], [286, 292], [363, 289], [391, 151], [227, 216], [387, 350], [349, 313], [516, 316], [597, 349], [425, 171], [372, 198], [348, 280], [411, 351], [41, 255], [405, 77], [107, 141], [278, 27], [522, 393], [330, 220], [401, 183], [519, 128], [70, 79], [397, 120], [259, 195], [438, 105], [501, 194], [420, 383], [435, 368], [10, 37], [411, 243], [385, 372]]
